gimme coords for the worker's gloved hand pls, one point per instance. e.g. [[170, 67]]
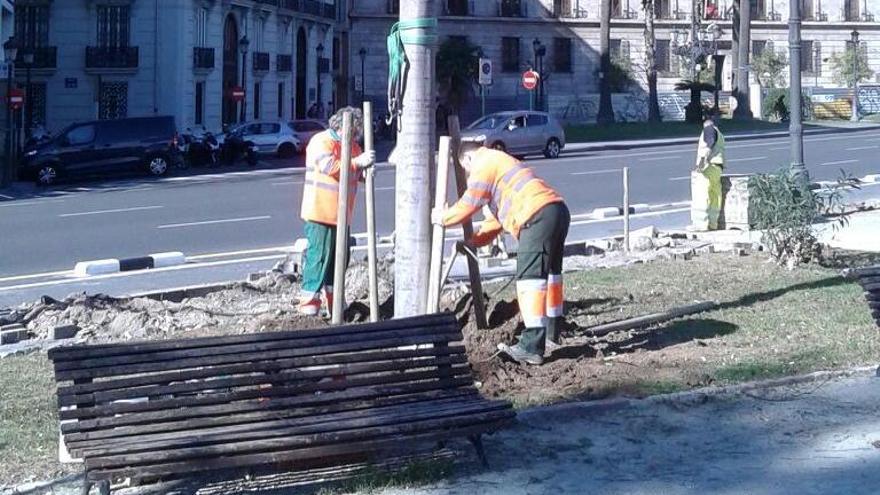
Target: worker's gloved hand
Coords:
[[365, 160], [437, 216]]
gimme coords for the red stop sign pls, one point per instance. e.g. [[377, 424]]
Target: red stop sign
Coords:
[[530, 79]]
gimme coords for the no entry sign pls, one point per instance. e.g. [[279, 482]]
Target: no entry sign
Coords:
[[16, 98], [530, 79], [236, 93]]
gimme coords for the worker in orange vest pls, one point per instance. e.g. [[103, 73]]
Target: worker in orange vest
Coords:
[[320, 203], [527, 208]]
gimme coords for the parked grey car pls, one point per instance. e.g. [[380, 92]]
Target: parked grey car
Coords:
[[519, 133]]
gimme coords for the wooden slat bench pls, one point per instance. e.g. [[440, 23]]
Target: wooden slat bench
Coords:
[[291, 399], [869, 279]]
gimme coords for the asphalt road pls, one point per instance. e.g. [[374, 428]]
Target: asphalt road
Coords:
[[48, 231]]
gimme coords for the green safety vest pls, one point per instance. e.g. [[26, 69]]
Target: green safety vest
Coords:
[[715, 155]]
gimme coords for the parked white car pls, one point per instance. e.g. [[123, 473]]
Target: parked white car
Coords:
[[307, 128], [272, 138]]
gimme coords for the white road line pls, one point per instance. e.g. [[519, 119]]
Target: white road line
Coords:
[[749, 159], [286, 183], [637, 215], [392, 188], [36, 275], [859, 148], [214, 222], [280, 250], [597, 172], [838, 162], [120, 210], [688, 177], [780, 148], [30, 203], [654, 159], [5, 196]]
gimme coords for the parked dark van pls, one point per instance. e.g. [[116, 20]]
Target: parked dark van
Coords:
[[104, 146]]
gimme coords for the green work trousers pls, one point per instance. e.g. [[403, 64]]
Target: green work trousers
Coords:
[[319, 259]]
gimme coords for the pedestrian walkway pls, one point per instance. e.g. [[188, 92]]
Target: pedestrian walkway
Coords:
[[861, 233], [818, 437]]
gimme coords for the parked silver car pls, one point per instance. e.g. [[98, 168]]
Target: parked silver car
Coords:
[[277, 138], [519, 133], [307, 128]]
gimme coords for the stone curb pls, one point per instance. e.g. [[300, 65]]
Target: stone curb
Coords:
[[579, 409], [115, 265]]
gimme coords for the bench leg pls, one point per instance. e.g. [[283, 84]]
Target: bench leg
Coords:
[[477, 441], [87, 486], [104, 487]]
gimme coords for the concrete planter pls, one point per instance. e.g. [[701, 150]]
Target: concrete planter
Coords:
[[735, 202]]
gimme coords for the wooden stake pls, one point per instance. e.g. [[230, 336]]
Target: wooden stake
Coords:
[[342, 222], [626, 209], [439, 235], [370, 192], [467, 226], [650, 319]]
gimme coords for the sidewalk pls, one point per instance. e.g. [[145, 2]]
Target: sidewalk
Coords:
[[861, 234], [814, 129], [818, 437]]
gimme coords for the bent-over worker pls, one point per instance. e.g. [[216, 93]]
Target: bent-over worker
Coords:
[[706, 178], [527, 208], [320, 203]]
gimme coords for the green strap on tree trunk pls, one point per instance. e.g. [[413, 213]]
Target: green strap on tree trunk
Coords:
[[397, 62]]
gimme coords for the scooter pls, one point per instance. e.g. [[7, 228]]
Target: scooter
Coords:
[[200, 149], [234, 148]]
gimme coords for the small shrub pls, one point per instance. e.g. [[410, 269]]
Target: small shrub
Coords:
[[776, 105], [785, 207]]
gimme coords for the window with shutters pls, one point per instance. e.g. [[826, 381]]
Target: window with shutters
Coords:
[[392, 7], [808, 11], [662, 9], [758, 47], [663, 57], [200, 103], [807, 56], [562, 55], [616, 9], [259, 34], [281, 100], [202, 27], [817, 58], [32, 26], [562, 8], [851, 10], [759, 10], [457, 7], [511, 8], [114, 26], [510, 54], [37, 100], [619, 49], [258, 100], [113, 100]]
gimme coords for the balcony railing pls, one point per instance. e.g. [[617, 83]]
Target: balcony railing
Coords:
[[45, 57], [261, 62], [284, 63], [203, 58], [312, 7], [507, 8], [111, 57]]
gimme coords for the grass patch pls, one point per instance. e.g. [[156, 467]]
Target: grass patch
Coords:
[[658, 387], [744, 372], [28, 419], [631, 131], [413, 475]]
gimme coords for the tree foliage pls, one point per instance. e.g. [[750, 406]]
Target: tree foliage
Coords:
[[844, 67], [770, 67], [457, 63]]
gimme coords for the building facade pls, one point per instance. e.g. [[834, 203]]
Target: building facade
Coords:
[[512, 33], [188, 58]]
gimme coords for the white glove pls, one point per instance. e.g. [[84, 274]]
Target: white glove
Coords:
[[437, 215], [365, 160]]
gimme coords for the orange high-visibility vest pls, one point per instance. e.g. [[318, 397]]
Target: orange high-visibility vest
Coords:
[[320, 199], [512, 191]]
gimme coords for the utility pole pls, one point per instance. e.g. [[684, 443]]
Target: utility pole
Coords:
[[415, 146], [854, 117], [743, 108], [795, 126], [606, 110]]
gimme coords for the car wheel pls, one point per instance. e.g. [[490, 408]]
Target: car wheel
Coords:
[[47, 175], [552, 149], [157, 166], [499, 146], [286, 150]]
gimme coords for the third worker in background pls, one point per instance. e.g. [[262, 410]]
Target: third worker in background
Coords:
[[320, 202], [706, 178], [527, 208]]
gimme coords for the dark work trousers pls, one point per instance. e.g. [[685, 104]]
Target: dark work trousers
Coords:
[[539, 254]]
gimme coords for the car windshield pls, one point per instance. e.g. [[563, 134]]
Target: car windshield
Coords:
[[489, 122]]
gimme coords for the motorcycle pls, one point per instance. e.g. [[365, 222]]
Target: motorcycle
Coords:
[[199, 149], [234, 148]]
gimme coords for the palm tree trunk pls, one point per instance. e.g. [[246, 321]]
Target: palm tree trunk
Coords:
[[650, 62], [606, 111], [743, 108]]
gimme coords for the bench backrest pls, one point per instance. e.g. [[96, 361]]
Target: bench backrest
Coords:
[[110, 391], [869, 278]]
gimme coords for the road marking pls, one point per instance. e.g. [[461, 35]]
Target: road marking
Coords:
[[286, 183], [859, 148], [838, 162], [597, 172], [687, 177], [619, 218], [780, 148], [5, 196], [750, 159], [36, 275], [214, 222], [653, 159], [101, 212], [392, 188]]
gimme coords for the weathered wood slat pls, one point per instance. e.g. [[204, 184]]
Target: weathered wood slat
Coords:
[[870, 287], [174, 355], [267, 393], [299, 441], [229, 410], [89, 351], [392, 417], [282, 377], [276, 365], [148, 433], [133, 369], [873, 279], [375, 447]]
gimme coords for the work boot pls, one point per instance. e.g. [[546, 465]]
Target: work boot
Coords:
[[550, 347], [309, 307], [521, 355]]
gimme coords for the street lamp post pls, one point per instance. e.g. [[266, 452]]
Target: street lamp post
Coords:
[[539, 51], [29, 103], [795, 126], [363, 54], [319, 50], [10, 50], [243, 44], [855, 68]]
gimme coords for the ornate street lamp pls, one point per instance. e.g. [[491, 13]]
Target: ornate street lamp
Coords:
[[28, 57], [243, 45], [539, 51], [10, 50], [855, 69]]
